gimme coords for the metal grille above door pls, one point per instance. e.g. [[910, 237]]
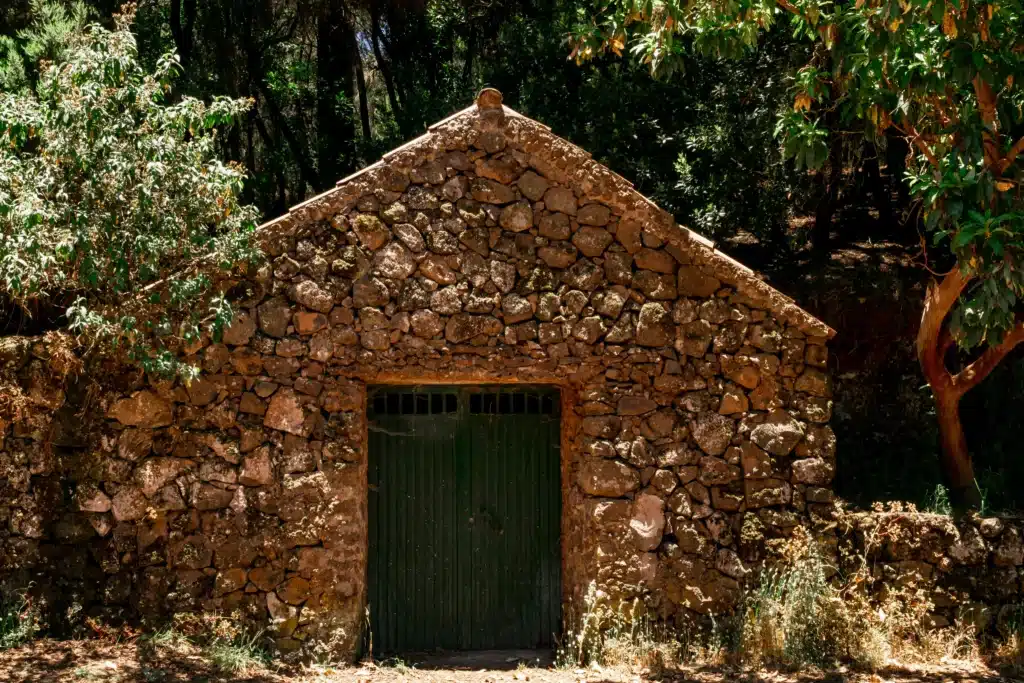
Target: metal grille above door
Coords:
[[465, 508]]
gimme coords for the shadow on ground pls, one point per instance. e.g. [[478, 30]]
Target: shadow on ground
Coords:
[[50, 661], [940, 673]]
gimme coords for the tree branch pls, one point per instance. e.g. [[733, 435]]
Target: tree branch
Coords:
[[788, 6], [946, 118], [939, 301], [990, 117], [1007, 161], [917, 139], [974, 373], [921, 145], [307, 171], [986, 102]]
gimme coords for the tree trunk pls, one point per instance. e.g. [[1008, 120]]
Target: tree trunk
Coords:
[[879, 188], [467, 65], [364, 104], [933, 343], [335, 52], [385, 68], [957, 468], [183, 33], [307, 169], [821, 236]]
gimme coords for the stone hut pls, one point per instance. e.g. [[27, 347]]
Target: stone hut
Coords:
[[474, 382]]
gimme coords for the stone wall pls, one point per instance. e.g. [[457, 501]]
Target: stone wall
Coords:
[[971, 569], [696, 399]]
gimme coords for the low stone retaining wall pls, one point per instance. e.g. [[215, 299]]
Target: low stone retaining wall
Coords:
[[971, 568]]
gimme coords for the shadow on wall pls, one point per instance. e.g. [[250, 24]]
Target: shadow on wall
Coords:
[[887, 436]]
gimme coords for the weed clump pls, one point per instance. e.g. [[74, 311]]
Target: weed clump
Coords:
[[223, 641], [597, 634], [19, 619]]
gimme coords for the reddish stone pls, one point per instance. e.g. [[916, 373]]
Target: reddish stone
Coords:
[[143, 409]]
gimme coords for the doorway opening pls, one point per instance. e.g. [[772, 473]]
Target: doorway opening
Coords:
[[464, 518]]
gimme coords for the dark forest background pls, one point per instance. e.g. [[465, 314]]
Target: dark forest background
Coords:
[[335, 84]]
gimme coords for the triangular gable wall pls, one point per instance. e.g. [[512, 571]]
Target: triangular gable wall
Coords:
[[562, 162]]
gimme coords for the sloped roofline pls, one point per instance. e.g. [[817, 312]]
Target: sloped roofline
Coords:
[[563, 162]]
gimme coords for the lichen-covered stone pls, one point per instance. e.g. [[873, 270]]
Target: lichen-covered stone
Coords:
[[517, 217], [463, 327], [287, 413], [491, 192], [647, 521], [394, 261], [560, 199], [312, 296], [712, 432], [779, 434], [654, 327], [608, 478], [532, 186]]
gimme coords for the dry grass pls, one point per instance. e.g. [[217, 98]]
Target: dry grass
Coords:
[[806, 612], [1009, 653], [810, 610]]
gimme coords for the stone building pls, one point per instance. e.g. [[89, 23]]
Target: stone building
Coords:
[[472, 381]]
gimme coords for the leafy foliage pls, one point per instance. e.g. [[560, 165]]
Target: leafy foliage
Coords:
[[44, 38], [111, 191], [731, 173]]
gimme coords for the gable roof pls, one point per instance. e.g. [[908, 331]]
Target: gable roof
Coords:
[[563, 162]]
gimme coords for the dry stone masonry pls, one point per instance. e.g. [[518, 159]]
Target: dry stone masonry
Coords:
[[970, 571], [696, 398]]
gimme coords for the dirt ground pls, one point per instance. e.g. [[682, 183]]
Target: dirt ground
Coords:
[[50, 661]]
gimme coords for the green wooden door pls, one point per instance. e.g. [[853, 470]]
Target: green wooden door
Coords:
[[464, 511]]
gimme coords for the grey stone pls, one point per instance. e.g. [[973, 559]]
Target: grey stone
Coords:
[[712, 432], [779, 434]]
